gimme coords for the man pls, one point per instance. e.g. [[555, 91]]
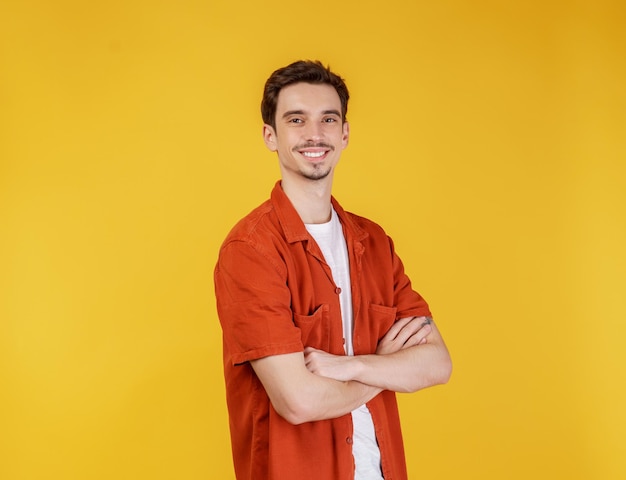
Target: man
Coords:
[[320, 323]]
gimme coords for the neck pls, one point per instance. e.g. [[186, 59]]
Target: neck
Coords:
[[310, 198]]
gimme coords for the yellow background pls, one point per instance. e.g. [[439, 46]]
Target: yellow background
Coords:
[[487, 137]]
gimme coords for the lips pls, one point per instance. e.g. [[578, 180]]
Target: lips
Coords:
[[309, 154], [314, 151]]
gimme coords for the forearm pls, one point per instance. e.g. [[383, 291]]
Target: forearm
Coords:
[[407, 370], [323, 398], [300, 396], [411, 356]]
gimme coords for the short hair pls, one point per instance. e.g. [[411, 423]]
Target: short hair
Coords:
[[302, 71]]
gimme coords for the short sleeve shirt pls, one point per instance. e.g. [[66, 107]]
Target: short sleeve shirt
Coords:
[[275, 295]]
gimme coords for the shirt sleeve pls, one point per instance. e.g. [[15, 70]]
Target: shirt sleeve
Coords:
[[408, 302], [253, 305]]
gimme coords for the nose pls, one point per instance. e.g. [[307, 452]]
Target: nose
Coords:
[[313, 131]]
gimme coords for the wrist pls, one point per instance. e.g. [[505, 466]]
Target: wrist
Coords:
[[357, 368]]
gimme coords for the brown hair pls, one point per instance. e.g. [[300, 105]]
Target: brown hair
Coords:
[[306, 71]]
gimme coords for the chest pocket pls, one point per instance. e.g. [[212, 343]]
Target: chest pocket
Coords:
[[315, 328], [379, 320]]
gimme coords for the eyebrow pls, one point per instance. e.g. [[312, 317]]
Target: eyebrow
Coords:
[[301, 112], [293, 112]]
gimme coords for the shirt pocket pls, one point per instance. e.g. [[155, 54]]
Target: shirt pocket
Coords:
[[315, 328], [381, 318]]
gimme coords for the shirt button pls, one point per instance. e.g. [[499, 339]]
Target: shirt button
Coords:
[[337, 290], [349, 440]]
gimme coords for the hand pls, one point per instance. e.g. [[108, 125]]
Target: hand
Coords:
[[406, 332], [326, 364]]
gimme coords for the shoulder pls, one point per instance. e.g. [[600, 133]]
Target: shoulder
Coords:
[[257, 238], [258, 219]]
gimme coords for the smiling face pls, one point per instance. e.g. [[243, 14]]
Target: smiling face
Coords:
[[309, 135]]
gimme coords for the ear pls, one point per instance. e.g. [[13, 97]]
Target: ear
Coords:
[[345, 135], [269, 136]]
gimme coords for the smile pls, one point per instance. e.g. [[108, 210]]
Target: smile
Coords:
[[314, 154]]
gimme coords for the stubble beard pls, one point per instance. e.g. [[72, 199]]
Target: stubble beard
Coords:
[[316, 174]]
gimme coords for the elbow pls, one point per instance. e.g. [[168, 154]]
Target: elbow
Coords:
[[295, 412], [445, 371], [293, 417], [439, 374], [442, 370], [296, 420]]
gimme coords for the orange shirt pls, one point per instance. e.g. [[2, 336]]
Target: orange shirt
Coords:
[[275, 295]]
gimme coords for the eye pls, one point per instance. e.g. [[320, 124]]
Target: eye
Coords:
[[330, 120], [295, 120]]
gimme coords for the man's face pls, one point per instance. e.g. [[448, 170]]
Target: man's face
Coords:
[[309, 135]]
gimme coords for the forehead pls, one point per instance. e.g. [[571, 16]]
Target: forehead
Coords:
[[308, 97]]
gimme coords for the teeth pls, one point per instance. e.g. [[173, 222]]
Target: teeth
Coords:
[[313, 154]]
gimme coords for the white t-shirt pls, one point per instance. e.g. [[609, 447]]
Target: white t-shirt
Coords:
[[329, 236]]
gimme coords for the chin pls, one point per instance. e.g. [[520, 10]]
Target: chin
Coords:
[[316, 175]]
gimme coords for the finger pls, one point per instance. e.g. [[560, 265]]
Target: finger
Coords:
[[308, 362], [411, 328], [308, 354], [419, 337], [426, 320], [397, 327]]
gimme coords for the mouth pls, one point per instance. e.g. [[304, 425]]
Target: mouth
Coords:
[[309, 154], [314, 152]]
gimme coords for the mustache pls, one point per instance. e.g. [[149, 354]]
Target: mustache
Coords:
[[313, 145]]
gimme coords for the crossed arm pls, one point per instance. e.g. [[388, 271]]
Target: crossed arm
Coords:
[[316, 385]]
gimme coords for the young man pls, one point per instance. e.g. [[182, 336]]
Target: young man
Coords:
[[321, 325]]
